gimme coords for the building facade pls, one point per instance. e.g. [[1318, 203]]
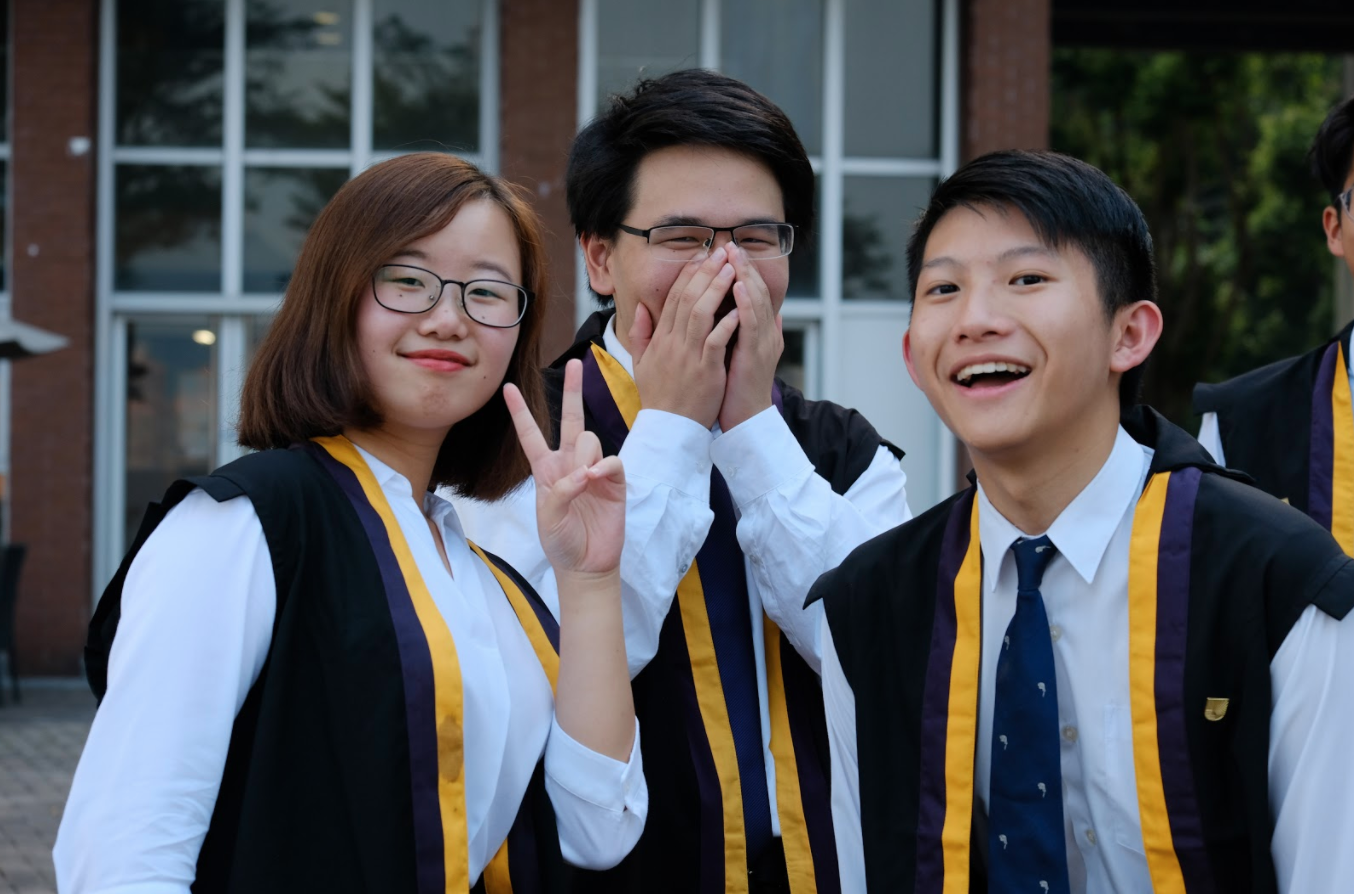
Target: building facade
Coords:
[[162, 160]]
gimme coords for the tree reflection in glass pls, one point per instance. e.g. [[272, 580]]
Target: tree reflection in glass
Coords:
[[170, 58], [280, 206], [426, 75], [298, 73], [168, 228]]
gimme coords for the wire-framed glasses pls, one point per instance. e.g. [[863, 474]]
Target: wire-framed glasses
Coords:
[[1346, 201], [413, 290], [761, 241]]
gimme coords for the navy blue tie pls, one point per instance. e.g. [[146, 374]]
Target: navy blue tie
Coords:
[[1027, 850]]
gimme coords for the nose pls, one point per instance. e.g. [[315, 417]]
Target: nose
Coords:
[[447, 319], [982, 315], [721, 240]]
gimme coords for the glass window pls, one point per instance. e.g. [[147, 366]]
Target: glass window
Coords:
[[280, 205], [168, 228], [298, 73], [804, 258], [171, 406], [4, 72], [426, 75], [170, 58], [790, 368], [877, 218], [776, 46], [643, 38], [891, 76]]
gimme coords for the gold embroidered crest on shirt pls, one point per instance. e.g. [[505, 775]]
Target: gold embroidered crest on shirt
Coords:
[[1215, 708]]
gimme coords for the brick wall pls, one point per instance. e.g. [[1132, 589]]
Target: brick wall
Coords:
[[538, 83], [1005, 61], [54, 50]]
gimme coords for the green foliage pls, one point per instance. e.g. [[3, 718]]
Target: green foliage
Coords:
[[1212, 146]]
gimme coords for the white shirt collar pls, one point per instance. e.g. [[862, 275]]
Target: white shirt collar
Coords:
[[397, 486], [1083, 530], [614, 347]]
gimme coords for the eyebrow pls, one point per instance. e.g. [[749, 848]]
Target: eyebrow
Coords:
[[684, 220], [479, 265], [1019, 251]]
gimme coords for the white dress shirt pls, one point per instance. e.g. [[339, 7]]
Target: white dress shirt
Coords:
[[1211, 437], [791, 526], [1085, 590], [186, 655]]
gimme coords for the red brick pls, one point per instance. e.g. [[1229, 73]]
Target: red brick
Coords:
[[539, 116], [1005, 60], [51, 459]]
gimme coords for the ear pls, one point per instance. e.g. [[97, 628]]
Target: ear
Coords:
[[907, 357], [597, 256], [1138, 327], [1331, 222]]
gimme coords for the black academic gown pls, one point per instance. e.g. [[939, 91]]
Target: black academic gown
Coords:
[[683, 845], [317, 793], [1236, 569]]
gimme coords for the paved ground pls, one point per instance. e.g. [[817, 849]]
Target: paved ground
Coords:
[[40, 742]]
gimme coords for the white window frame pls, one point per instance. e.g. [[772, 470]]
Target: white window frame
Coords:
[[231, 303], [821, 316]]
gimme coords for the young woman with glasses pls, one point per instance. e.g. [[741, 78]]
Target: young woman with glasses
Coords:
[[317, 682]]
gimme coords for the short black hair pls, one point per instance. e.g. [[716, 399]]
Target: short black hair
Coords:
[[1332, 154], [691, 107], [1067, 202]]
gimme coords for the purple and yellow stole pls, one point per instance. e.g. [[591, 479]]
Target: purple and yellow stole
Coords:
[[802, 798], [1158, 593], [433, 695], [1330, 496]]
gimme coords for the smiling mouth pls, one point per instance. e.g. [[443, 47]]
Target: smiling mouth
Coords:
[[990, 374]]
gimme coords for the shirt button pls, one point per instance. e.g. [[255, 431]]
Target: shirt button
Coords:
[[1055, 632], [1090, 835], [684, 569], [1070, 733]]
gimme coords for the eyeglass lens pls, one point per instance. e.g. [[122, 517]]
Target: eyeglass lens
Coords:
[[760, 241], [411, 290]]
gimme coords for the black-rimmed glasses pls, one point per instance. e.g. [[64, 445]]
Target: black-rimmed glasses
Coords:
[[413, 290], [1346, 201], [761, 241]]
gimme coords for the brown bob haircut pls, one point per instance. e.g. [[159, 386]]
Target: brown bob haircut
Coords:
[[307, 378]]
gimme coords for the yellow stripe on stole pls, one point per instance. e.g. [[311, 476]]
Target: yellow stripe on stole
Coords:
[[961, 731], [620, 384], [1342, 458], [447, 694], [700, 646], [540, 643], [794, 830], [1162, 862], [498, 875]]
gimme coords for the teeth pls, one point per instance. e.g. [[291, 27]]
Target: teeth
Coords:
[[975, 369]]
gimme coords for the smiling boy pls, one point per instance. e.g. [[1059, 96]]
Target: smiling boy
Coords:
[[1107, 666], [688, 195]]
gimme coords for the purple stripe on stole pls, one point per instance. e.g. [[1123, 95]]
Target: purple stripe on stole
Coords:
[[605, 414], [1321, 462], [417, 666], [935, 716], [547, 621], [804, 706], [1177, 777], [672, 646]]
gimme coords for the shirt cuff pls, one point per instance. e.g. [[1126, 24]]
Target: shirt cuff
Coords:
[[759, 456], [670, 449], [595, 778]]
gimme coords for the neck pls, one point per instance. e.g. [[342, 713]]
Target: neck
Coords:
[[1031, 488], [412, 454]]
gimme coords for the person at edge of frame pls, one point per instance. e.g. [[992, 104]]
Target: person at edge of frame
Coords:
[[1289, 425], [309, 679], [687, 195], [1109, 665]]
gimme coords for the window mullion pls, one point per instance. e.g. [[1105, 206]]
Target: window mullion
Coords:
[[361, 113]]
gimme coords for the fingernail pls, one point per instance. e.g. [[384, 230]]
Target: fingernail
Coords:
[[720, 253], [728, 269]]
